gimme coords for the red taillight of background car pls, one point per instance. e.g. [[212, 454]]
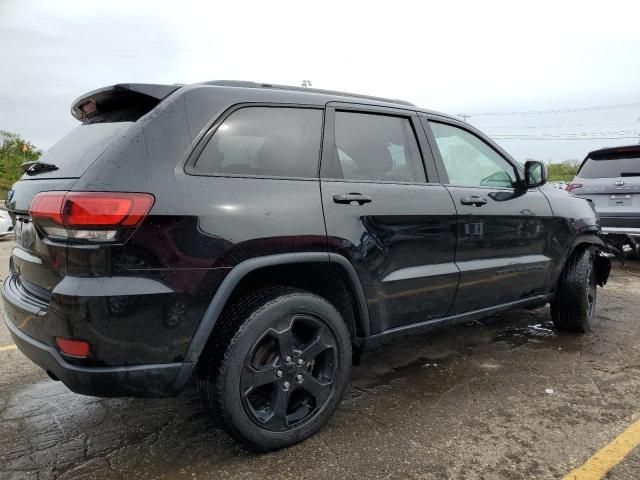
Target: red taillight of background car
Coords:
[[92, 216], [573, 186]]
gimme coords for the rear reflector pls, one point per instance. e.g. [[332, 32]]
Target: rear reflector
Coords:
[[73, 348], [93, 216]]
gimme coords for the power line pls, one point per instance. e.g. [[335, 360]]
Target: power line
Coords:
[[572, 134], [559, 126], [535, 139], [560, 110]]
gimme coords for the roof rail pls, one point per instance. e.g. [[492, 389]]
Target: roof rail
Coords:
[[247, 84]]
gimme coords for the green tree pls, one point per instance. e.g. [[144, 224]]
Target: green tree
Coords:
[[563, 171], [12, 154]]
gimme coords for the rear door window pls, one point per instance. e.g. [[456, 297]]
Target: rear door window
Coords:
[[377, 148], [610, 168], [265, 141]]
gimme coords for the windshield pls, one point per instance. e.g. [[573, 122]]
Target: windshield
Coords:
[[610, 168]]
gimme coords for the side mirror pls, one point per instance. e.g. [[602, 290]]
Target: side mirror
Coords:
[[535, 174]]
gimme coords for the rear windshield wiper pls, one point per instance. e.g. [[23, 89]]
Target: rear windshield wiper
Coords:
[[630, 174], [35, 167]]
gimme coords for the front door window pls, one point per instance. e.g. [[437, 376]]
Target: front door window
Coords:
[[469, 161]]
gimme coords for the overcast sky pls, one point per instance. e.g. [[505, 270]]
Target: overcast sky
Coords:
[[457, 57]]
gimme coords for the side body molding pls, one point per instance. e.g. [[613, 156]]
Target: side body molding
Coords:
[[234, 277]]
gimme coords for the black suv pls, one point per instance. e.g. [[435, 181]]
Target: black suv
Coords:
[[261, 237]]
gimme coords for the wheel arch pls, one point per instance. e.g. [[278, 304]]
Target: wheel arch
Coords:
[[602, 263], [586, 239], [248, 269]]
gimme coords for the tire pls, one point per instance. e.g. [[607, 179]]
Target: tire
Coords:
[[278, 367], [574, 303]]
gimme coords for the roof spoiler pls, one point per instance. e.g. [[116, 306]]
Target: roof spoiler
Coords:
[[624, 151], [94, 102]]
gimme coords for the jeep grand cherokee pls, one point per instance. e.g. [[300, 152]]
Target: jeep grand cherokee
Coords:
[[261, 237]]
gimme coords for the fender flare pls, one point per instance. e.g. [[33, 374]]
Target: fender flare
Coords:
[[237, 273], [589, 238], [602, 263]]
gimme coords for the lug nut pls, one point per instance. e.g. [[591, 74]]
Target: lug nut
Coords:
[[300, 361], [299, 378], [279, 373], [287, 359], [286, 385]]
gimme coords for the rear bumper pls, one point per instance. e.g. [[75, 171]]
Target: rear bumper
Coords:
[[159, 380], [620, 224], [27, 315], [634, 232], [125, 320]]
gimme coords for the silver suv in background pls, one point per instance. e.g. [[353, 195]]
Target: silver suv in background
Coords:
[[610, 178]]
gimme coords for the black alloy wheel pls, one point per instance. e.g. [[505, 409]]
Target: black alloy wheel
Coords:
[[288, 375], [277, 367]]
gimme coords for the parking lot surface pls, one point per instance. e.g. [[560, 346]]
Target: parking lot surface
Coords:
[[506, 398]]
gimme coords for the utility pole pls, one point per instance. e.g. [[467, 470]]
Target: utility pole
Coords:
[[464, 116]]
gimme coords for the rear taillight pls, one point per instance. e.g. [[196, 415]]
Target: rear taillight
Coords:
[[91, 216], [573, 186]]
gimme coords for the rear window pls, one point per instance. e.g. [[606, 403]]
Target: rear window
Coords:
[[265, 141], [610, 168], [75, 153]]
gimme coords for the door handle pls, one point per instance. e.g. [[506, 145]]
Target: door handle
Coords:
[[352, 199], [473, 200]]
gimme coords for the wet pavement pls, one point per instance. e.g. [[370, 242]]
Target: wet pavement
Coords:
[[506, 398]]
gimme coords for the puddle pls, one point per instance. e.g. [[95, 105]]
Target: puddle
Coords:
[[416, 368], [475, 342], [517, 336]]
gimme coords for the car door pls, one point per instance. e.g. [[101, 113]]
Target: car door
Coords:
[[504, 230], [392, 220]]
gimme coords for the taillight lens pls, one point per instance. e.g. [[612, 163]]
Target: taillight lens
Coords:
[[73, 348], [105, 210], [93, 216], [573, 186]]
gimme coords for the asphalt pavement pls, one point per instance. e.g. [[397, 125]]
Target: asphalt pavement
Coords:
[[509, 397]]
